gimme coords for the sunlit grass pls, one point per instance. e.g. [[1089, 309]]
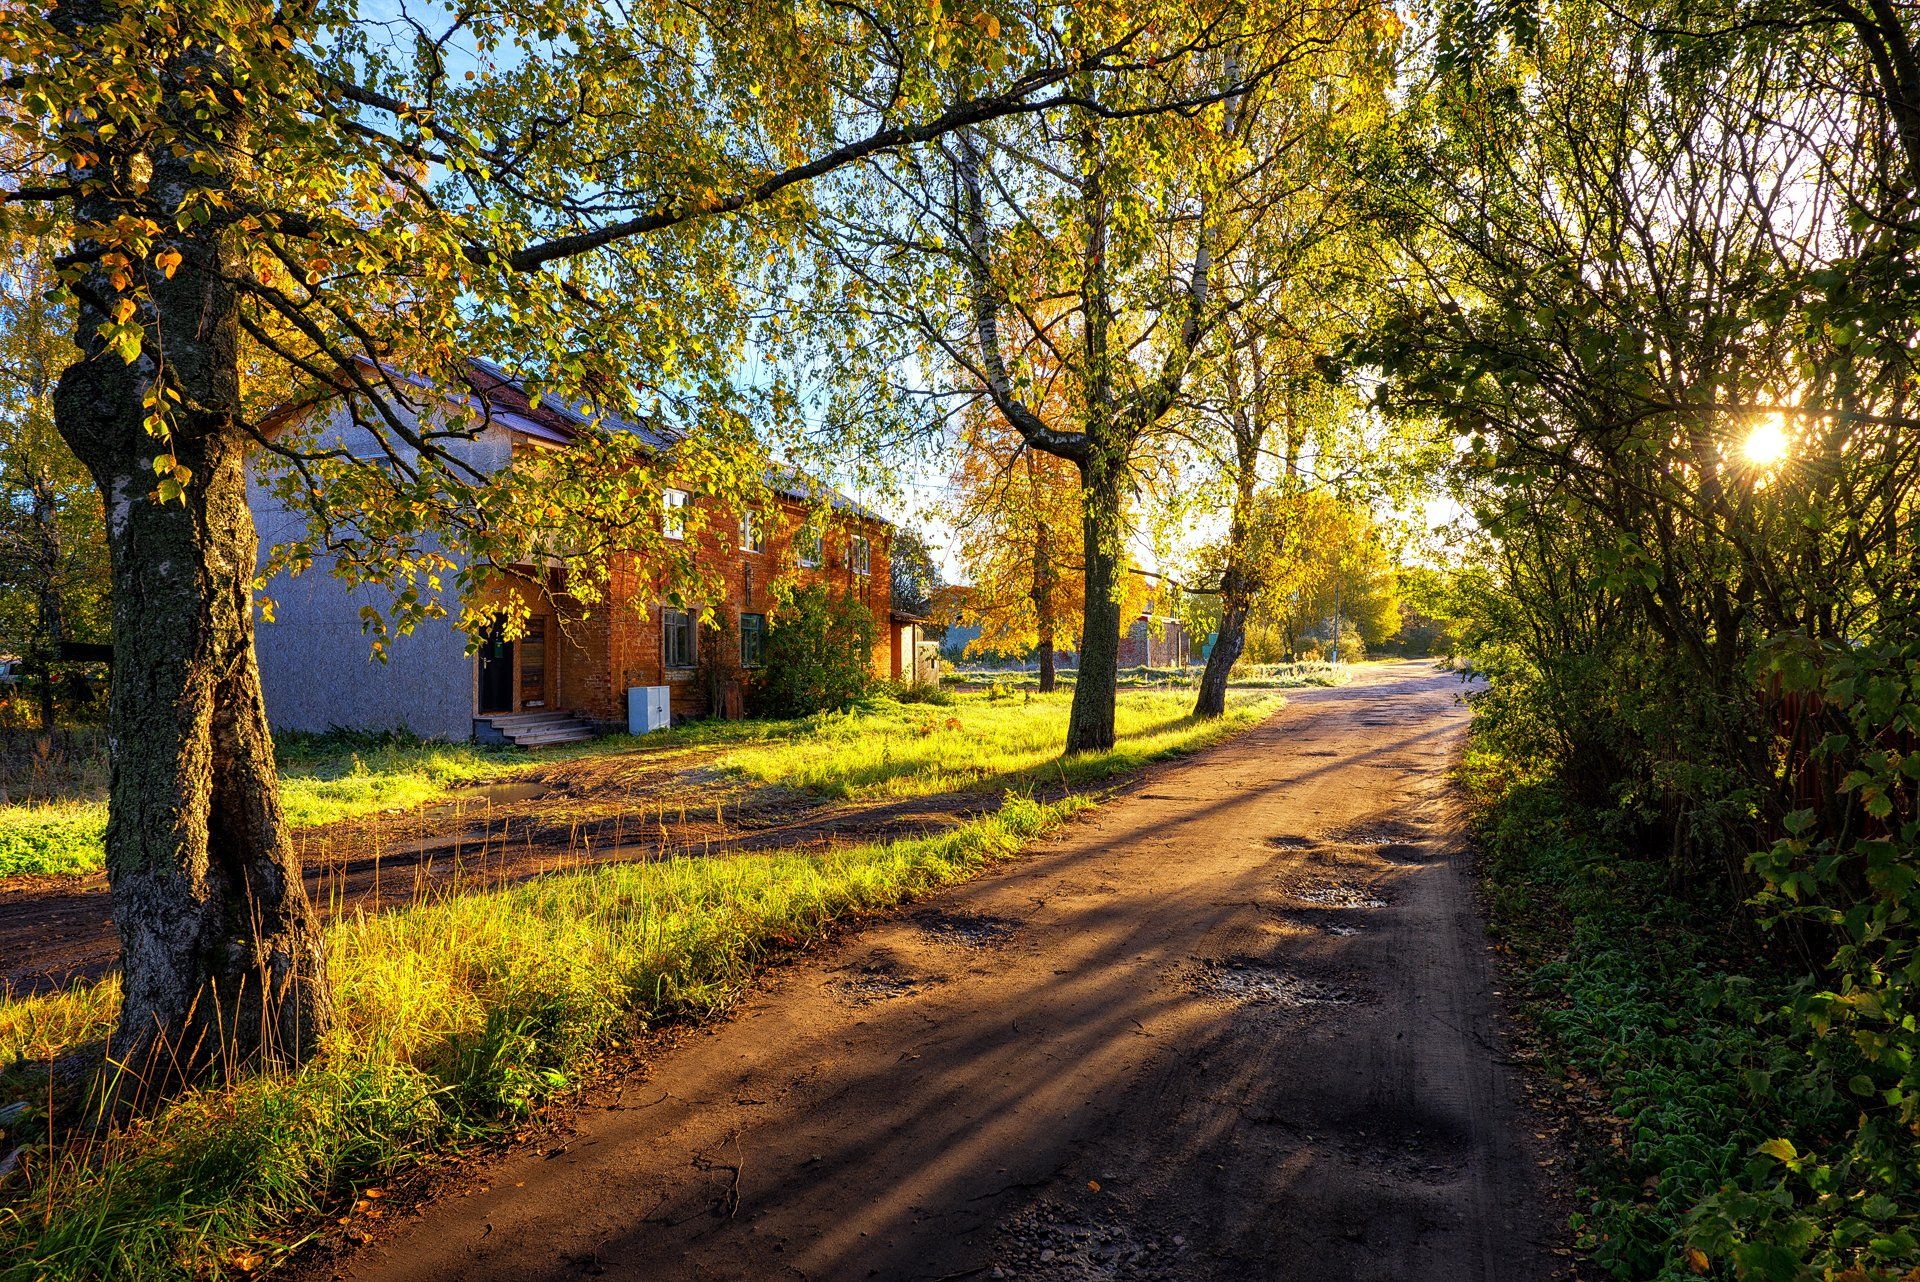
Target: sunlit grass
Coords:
[[455, 1017], [323, 779], [912, 750], [880, 749]]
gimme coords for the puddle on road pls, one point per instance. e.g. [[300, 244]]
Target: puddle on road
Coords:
[[1051, 1243], [968, 930], [879, 982], [1291, 843], [498, 794], [1338, 894], [1321, 924], [1263, 984]]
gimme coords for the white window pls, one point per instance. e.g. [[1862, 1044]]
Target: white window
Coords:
[[751, 540], [862, 555], [806, 546], [673, 517]]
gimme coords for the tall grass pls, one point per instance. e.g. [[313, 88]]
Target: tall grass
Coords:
[[455, 1018]]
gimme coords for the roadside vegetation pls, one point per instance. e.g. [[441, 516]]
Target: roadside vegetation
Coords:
[[884, 746], [459, 1015], [323, 779], [1667, 1038], [457, 1018], [990, 741]]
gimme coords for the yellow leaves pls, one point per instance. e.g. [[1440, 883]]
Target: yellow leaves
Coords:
[[1781, 1150], [168, 261], [1697, 1260], [123, 310]]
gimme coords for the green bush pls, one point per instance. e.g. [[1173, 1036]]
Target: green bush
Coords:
[[819, 656], [1673, 1025]]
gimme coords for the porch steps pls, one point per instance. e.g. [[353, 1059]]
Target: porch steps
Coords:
[[536, 729]]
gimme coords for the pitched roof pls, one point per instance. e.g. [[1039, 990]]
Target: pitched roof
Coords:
[[553, 420]]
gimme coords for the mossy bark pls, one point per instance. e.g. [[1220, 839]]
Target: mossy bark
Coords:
[[222, 965]]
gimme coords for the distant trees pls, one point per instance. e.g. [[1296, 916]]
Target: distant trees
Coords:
[[1019, 536], [53, 555], [915, 577]]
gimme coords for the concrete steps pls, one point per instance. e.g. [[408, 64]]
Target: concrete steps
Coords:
[[533, 729]]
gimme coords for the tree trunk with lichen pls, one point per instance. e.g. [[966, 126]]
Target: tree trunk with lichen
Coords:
[[222, 965]]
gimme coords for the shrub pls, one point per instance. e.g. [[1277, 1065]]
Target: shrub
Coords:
[[819, 656]]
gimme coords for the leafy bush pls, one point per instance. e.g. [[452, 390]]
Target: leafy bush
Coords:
[[819, 656], [1676, 1029], [919, 692]]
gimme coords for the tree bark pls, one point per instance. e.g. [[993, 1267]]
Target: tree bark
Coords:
[[222, 963], [1090, 724], [1227, 645], [49, 622], [1043, 603]]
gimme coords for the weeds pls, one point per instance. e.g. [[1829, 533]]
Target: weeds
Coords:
[[1665, 1035]]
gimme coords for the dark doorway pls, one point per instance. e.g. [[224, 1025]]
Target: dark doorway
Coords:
[[496, 674]]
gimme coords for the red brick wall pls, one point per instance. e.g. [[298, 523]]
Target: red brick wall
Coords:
[[619, 644]]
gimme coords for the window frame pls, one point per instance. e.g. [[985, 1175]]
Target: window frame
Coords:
[[668, 627], [759, 633], [860, 555], [809, 535], [753, 537], [673, 512]]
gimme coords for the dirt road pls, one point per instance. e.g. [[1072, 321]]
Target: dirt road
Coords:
[[1236, 1025]]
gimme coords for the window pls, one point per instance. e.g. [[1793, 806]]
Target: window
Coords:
[[753, 640], [676, 639], [751, 540], [862, 555], [806, 546], [673, 518]]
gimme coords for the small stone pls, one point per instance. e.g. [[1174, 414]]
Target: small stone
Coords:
[[1046, 1256], [1178, 1240]]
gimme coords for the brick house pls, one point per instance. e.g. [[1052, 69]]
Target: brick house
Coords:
[[571, 671]]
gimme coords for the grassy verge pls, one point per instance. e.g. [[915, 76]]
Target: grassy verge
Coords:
[[324, 779], [980, 742], [882, 748], [456, 1018], [1245, 676], [1661, 1029]]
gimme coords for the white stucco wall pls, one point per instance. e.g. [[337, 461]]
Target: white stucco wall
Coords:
[[316, 663]]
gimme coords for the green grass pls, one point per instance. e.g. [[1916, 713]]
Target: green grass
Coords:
[[455, 1018], [882, 748], [979, 741], [323, 779], [1659, 1026], [1245, 676]]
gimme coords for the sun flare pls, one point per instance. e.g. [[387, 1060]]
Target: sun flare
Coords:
[[1767, 443]]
